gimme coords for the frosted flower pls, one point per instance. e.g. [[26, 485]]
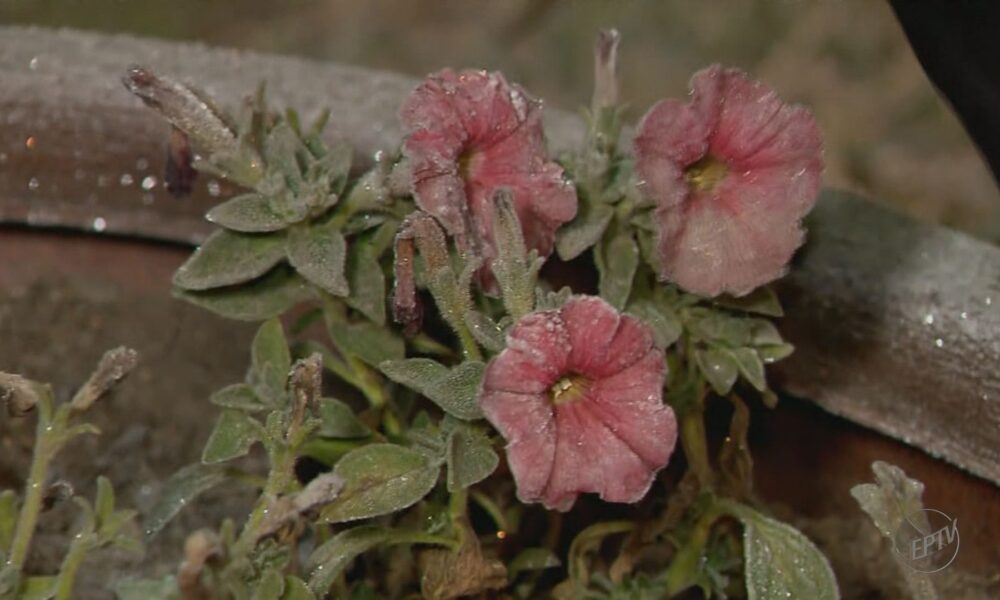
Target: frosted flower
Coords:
[[732, 174], [471, 133], [578, 395]]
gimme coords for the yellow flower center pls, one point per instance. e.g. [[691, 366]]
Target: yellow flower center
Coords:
[[569, 389], [705, 175]]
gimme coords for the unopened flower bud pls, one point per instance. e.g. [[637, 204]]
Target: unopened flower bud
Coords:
[[606, 69], [114, 366], [18, 394]]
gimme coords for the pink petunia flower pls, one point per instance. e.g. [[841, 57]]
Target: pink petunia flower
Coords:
[[471, 133], [732, 174], [578, 395]]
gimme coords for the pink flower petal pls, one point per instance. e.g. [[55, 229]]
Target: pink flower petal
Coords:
[[608, 431], [739, 233]]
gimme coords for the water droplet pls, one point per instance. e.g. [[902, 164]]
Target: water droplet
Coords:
[[148, 182], [30, 142], [989, 300], [33, 184], [214, 189], [126, 179], [929, 319], [142, 164], [99, 224], [939, 343], [964, 315], [33, 63]]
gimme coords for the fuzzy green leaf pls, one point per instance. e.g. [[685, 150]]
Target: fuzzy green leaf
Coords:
[[750, 366], [281, 151], [532, 559], [235, 432], [719, 368], [8, 517], [617, 260], [239, 396], [772, 354], [247, 213], [296, 589], [781, 562], [487, 333], [369, 342], [270, 586], [891, 500], [667, 326], [178, 491], [227, 258], [366, 282], [262, 299], [457, 392], [414, 373], [339, 421], [764, 333], [470, 458], [104, 502], [329, 560], [270, 357], [319, 253], [380, 479], [762, 301], [147, 589], [584, 231]]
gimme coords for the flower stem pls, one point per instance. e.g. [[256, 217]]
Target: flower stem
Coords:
[[78, 550], [695, 444], [687, 561], [458, 507], [47, 443]]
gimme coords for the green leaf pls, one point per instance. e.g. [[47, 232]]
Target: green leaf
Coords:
[[720, 328], [487, 333], [270, 357], [369, 342], [235, 432], [457, 392], [178, 491], [750, 366], [781, 562], [239, 396], [470, 458], [147, 589], [104, 502], [617, 260], [262, 299], [414, 373], [532, 559], [333, 557], [270, 586], [247, 213], [762, 301], [454, 390], [667, 326], [319, 253], [584, 231], [772, 354], [228, 258], [296, 589], [719, 368], [380, 479], [339, 421], [891, 500], [8, 517], [366, 282], [281, 150], [764, 333], [38, 588]]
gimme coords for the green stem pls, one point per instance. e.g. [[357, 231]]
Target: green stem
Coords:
[[695, 444], [282, 468], [82, 544], [458, 507], [47, 444], [469, 347], [687, 561]]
